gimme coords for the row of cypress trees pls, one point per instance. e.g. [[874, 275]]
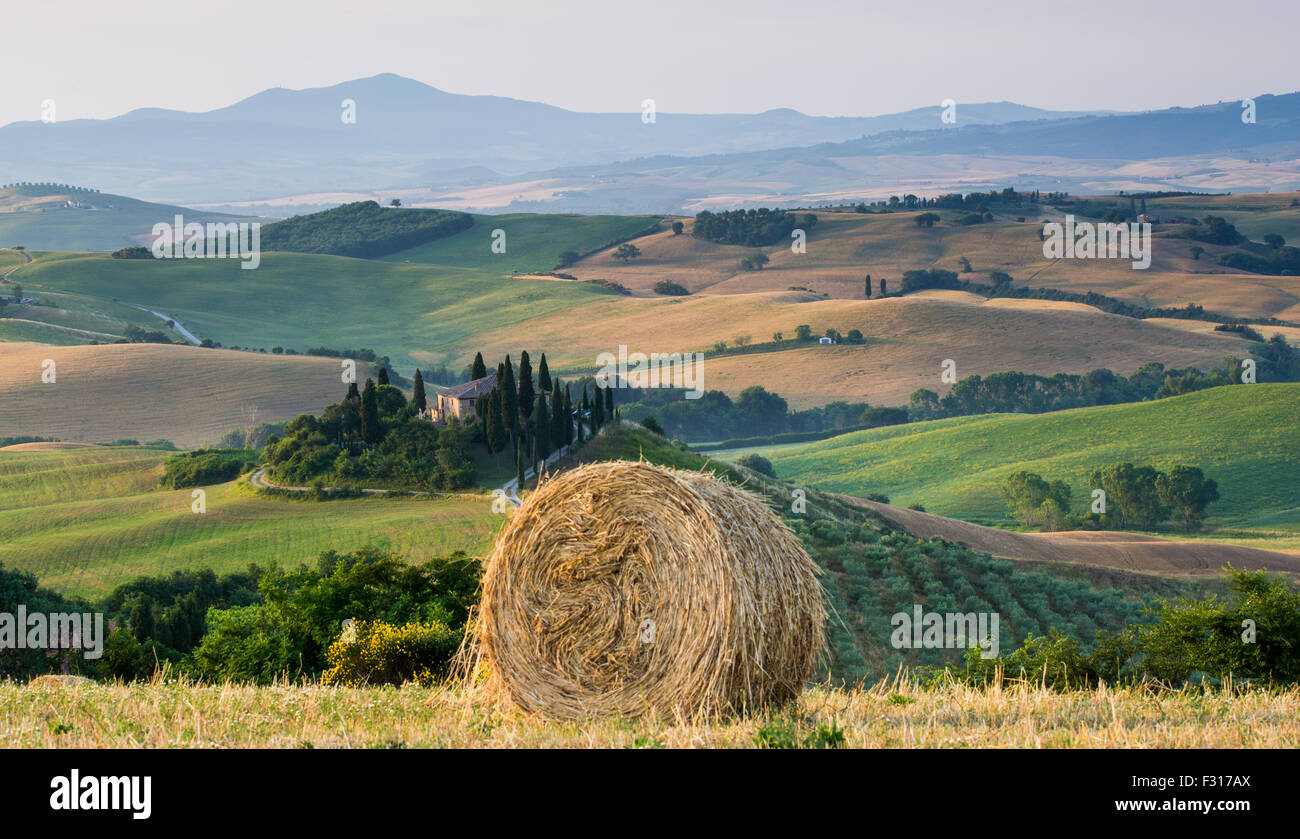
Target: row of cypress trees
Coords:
[[534, 413]]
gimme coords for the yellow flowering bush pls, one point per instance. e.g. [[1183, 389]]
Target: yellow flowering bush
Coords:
[[378, 653]]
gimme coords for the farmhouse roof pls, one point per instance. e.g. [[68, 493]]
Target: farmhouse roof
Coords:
[[472, 390]]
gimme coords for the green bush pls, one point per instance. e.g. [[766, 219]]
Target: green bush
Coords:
[[205, 467], [758, 463]]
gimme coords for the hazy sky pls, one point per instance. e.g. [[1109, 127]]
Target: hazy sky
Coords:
[[100, 58]]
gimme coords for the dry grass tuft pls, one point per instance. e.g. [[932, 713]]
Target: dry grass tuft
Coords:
[[628, 589]]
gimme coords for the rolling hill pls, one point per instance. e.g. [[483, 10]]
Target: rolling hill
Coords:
[[907, 340], [60, 218], [187, 395], [1098, 549], [86, 520], [1246, 437]]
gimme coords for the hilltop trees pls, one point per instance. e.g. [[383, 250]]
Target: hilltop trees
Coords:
[[754, 228], [478, 369], [362, 229], [372, 437]]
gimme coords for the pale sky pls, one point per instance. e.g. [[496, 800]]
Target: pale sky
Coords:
[[100, 58]]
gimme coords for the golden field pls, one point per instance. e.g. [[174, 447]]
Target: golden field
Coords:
[[63, 713]]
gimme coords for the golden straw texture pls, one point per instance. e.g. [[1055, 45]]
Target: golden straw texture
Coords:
[[625, 588]]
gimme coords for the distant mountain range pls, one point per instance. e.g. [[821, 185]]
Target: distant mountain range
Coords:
[[285, 151], [406, 134]]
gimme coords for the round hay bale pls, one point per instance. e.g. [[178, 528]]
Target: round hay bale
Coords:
[[629, 589]]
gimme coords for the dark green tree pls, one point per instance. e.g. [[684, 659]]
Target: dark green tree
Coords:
[[371, 431], [383, 375], [478, 370], [1187, 490], [568, 416], [495, 429], [542, 426], [559, 419], [510, 397], [418, 398], [526, 393], [543, 374]]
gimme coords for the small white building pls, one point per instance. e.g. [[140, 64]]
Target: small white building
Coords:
[[825, 340]]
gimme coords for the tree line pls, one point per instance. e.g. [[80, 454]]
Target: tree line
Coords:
[[533, 414], [753, 228], [362, 229], [1139, 497], [1015, 392]]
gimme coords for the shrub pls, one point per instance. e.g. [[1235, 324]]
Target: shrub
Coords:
[[670, 288], [378, 653], [205, 467], [758, 463]]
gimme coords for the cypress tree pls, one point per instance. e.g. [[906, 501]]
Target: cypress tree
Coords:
[[868, 285], [519, 467], [526, 393], [370, 431], [479, 369], [568, 417], [510, 397], [559, 419], [609, 402], [542, 436], [495, 428], [582, 410], [597, 410], [543, 374], [354, 396], [418, 398], [383, 375]]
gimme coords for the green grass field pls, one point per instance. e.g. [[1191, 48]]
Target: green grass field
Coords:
[[1245, 437], [533, 241], [306, 300], [86, 520]]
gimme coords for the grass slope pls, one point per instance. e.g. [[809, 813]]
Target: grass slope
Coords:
[[44, 222], [1247, 437], [308, 300], [533, 241], [86, 520]]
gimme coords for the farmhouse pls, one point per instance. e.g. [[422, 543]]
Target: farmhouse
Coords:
[[459, 401]]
